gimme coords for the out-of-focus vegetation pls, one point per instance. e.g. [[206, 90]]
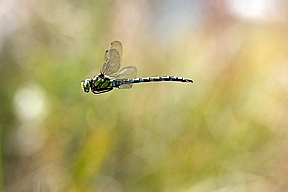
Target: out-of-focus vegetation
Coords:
[[225, 132]]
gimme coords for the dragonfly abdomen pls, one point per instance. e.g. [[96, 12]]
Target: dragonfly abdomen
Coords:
[[160, 78]]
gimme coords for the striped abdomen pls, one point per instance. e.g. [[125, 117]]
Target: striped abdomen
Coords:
[[161, 78], [127, 83]]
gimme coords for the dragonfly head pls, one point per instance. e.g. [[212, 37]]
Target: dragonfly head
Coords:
[[85, 85]]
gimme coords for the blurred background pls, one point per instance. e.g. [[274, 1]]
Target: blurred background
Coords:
[[226, 132]]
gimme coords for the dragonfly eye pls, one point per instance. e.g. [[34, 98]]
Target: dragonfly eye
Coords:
[[85, 85]]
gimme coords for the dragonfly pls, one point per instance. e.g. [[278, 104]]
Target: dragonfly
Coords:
[[111, 77]]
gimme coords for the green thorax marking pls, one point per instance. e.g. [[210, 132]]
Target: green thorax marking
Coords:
[[102, 83]]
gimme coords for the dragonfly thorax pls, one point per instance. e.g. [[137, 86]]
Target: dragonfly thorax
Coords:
[[101, 83]]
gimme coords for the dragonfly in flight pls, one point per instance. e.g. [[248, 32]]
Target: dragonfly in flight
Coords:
[[110, 77]]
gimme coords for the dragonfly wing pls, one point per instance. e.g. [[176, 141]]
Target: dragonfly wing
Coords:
[[126, 86], [118, 46], [126, 72], [112, 60], [111, 63]]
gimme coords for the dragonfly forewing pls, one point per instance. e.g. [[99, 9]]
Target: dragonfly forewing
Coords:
[[112, 62], [118, 46]]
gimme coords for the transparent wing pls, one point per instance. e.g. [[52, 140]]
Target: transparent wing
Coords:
[[126, 73], [118, 46], [112, 60], [125, 86], [111, 63]]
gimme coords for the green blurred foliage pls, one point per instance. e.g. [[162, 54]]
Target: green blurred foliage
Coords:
[[227, 131]]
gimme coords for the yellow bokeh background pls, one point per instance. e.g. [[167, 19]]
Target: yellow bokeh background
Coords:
[[225, 132]]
